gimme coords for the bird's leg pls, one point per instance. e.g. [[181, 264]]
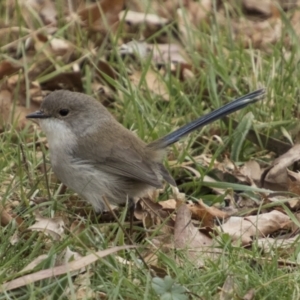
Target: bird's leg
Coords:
[[131, 208]]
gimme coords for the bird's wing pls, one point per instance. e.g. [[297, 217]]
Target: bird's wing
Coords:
[[122, 154]]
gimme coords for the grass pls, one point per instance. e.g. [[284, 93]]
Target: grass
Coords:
[[223, 70]]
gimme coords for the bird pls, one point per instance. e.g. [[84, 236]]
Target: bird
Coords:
[[96, 156]]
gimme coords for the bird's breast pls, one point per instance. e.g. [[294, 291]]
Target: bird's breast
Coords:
[[59, 136]]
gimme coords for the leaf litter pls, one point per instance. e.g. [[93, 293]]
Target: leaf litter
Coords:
[[37, 60]]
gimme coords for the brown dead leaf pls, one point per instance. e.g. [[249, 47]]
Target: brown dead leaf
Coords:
[[152, 83], [104, 67], [14, 239], [92, 14], [196, 173], [293, 203], [70, 255], [185, 26], [14, 112], [277, 173], [190, 18], [135, 49], [153, 216], [5, 106], [59, 46], [251, 170], [11, 113], [267, 8], [169, 205], [140, 25], [7, 68], [259, 7], [18, 114], [258, 34], [187, 236], [6, 217], [60, 270], [167, 8], [77, 227], [161, 54], [82, 288], [140, 18], [245, 229], [293, 181], [249, 295], [206, 214], [45, 8], [34, 263], [269, 244], [68, 81], [228, 288], [199, 10], [178, 196], [53, 227], [49, 46]]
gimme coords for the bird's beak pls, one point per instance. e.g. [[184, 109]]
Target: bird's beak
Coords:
[[37, 115]]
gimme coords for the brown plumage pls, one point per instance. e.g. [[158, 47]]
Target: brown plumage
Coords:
[[96, 156]]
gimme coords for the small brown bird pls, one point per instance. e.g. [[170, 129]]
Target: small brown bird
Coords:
[[96, 156]]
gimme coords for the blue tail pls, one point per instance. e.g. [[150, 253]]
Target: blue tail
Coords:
[[219, 113]]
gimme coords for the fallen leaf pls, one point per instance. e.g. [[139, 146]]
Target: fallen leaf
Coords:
[[152, 83], [136, 49], [199, 10], [59, 46], [190, 18], [45, 8], [169, 205], [92, 14], [228, 288], [68, 81], [70, 255], [5, 217], [277, 173], [249, 295], [60, 270], [270, 244], [293, 203], [141, 18], [259, 7], [53, 227], [104, 67], [34, 263], [245, 229], [5, 106], [206, 214], [293, 181], [83, 288], [258, 34], [136, 24], [7, 68], [153, 216], [251, 169], [187, 236]]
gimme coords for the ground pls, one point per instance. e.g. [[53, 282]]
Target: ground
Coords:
[[231, 228]]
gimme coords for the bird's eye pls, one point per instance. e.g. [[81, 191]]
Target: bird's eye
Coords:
[[64, 112]]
